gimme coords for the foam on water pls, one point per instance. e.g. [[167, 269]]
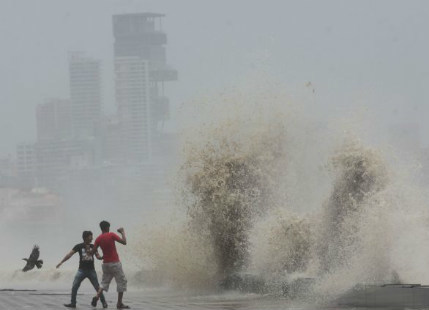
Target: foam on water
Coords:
[[268, 189]]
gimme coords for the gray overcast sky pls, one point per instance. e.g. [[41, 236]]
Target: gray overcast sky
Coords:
[[354, 52]]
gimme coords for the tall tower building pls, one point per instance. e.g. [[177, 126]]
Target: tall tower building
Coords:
[[26, 162], [132, 98], [54, 121], [140, 44], [85, 94]]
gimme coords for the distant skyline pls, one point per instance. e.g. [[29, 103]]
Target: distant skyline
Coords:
[[355, 53]]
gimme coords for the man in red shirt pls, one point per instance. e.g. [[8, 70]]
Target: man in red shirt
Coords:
[[112, 267]]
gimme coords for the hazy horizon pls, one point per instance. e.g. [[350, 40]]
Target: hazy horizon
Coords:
[[355, 53]]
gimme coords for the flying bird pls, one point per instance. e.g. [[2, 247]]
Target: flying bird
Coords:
[[33, 260]]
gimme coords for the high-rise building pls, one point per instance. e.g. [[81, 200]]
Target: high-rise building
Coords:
[[8, 172], [54, 120], [26, 163], [57, 150], [85, 94], [132, 98], [112, 154], [140, 44], [57, 158]]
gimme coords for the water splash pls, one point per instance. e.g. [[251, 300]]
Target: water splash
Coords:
[[229, 183], [282, 244], [361, 174], [266, 193]]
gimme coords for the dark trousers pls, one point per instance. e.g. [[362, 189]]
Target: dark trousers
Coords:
[[81, 275]]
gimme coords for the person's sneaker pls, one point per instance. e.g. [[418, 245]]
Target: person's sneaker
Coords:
[[104, 305], [70, 305], [94, 301], [122, 306]]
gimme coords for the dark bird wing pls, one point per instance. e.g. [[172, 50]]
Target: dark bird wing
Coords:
[[28, 266], [34, 256], [32, 260]]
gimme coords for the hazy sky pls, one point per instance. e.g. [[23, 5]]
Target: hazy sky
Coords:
[[372, 53]]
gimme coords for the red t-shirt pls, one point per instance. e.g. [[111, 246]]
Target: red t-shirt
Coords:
[[106, 241]]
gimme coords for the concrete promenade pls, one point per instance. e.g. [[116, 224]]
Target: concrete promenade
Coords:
[[54, 299]]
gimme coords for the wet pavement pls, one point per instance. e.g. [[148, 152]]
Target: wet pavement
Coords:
[[143, 299]]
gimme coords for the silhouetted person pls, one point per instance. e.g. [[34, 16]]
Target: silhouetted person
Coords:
[[112, 267], [86, 267]]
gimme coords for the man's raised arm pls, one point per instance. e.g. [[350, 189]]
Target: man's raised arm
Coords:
[[122, 240]]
